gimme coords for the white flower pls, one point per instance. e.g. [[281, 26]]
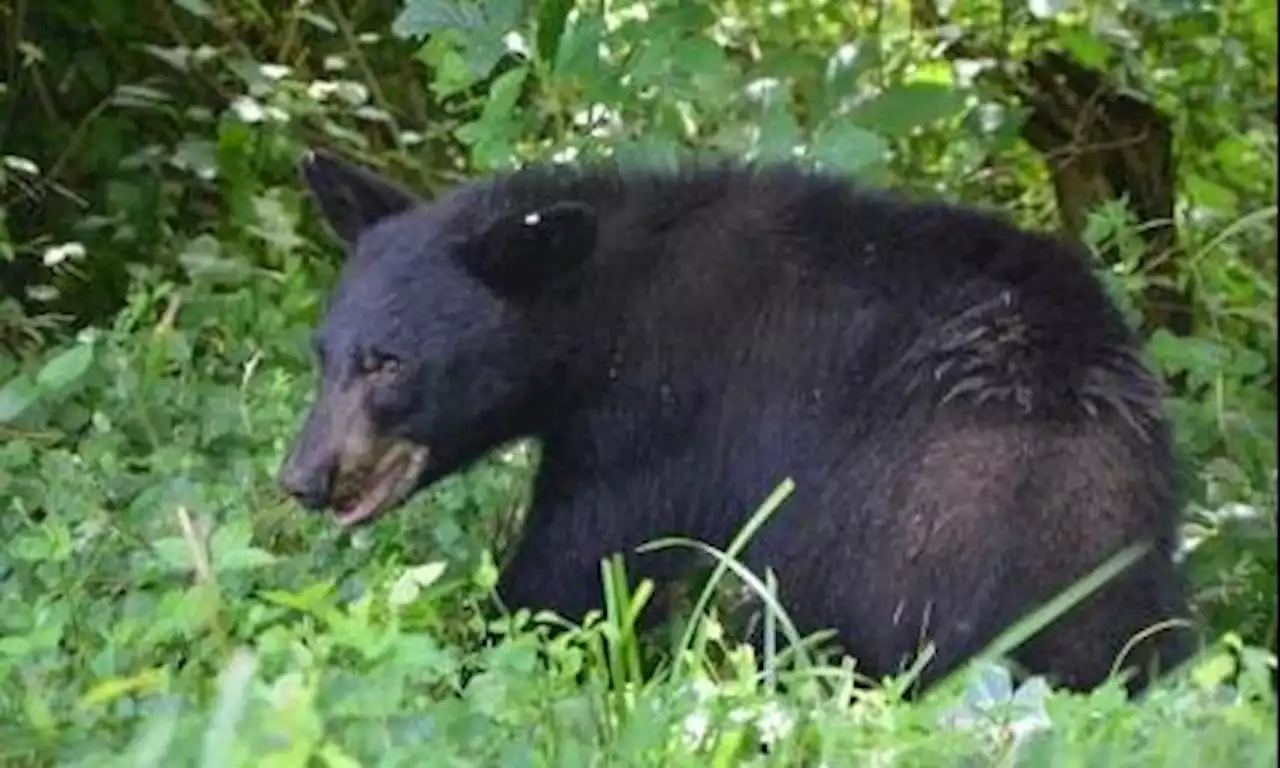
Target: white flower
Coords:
[[57, 254], [248, 109], [774, 723], [695, 727], [274, 71]]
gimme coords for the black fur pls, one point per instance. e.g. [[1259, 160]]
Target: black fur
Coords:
[[964, 412]]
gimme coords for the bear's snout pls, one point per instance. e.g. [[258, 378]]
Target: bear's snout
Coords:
[[309, 482]]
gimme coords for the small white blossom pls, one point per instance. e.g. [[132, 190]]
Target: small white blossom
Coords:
[[774, 723], [248, 109], [274, 71], [695, 727], [57, 254]]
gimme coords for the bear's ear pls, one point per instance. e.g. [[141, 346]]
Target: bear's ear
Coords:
[[351, 198], [520, 254]]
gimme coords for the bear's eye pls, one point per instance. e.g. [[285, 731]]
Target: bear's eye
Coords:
[[379, 364]]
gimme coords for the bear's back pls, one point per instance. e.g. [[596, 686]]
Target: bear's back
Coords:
[[776, 271]]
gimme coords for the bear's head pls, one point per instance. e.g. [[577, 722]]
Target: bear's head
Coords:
[[430, 351]]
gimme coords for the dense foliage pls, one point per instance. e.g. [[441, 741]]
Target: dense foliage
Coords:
[[161, 270]]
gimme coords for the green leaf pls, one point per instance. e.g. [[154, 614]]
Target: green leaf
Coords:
[[423, 17], [410, 584], [195, 7], [16, 396], [849, 64], [241, 558], [66, 368], [1090, 49], [902, 108], [552, 17], [1207, 193], [846, 147], [653, 62], [490, 136], [779, 132], [481, 52], [502, 16], [652, 150], [503, 95], [452, 72], [173, 553], [700, 58]]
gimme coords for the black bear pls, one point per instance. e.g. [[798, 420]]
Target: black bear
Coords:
[[963, 411]]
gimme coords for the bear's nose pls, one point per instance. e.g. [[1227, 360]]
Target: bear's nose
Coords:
[[310, 485]]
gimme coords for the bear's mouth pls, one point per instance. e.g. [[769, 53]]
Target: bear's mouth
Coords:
[[392, 478]]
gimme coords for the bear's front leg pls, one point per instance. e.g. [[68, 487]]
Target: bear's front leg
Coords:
[[556, 564], [547, 572]]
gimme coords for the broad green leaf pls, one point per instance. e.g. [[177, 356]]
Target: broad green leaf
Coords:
[[481, 52], [552, 16], [412, 581], [849, 148], [16, 396], [653, 62], [455, 63], [503, 95], [701, 58], [241, 558], [66, 368], [1207, 193], [490, 136], [420, 18], [902, 108], [1090, 49], [30, 546], [578, 52], [195, 7], [779, 132], [502, 16], [173, 553], [652, 150]]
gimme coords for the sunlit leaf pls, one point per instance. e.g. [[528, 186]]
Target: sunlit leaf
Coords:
[[902, 108], [16, 396], [419, 18], [66, 368], [846, 147]]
